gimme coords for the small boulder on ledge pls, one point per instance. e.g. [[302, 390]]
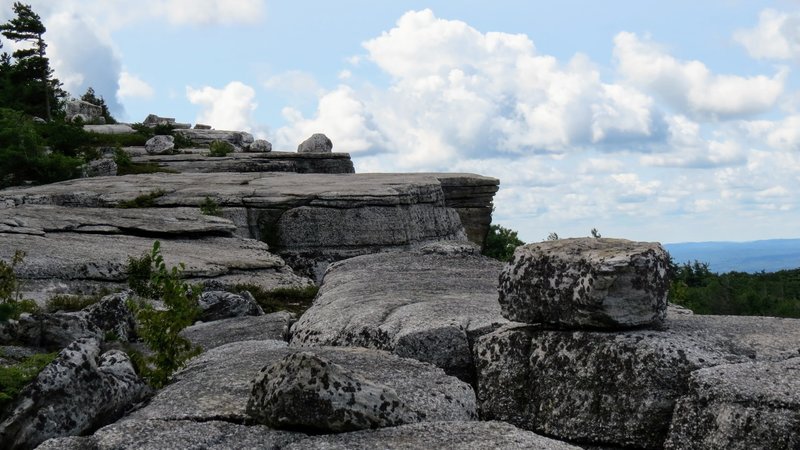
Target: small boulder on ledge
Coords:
[[586, 283], [159, 144], [317, 143], [260, 146]]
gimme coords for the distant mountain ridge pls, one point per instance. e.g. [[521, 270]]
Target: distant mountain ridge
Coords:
[[768, 255]]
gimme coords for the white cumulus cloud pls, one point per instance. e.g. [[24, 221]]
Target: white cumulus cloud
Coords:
[[777, 36], [131, 86], [229, 108]]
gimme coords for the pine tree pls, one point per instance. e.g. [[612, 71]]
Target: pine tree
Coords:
[[36, 91], [91, 97]]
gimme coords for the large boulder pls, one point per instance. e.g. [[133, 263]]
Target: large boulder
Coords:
[[614, 388], [306, 391], [753, 405], [160, 144], [586, 283], [51, 331], [204, 138], [217, 384], [208, 335], [260, 146], [111, 315], [429, 304], [79, 391], [434, 435], [88, 112], [317, 143], [216, 305], [103, 167]]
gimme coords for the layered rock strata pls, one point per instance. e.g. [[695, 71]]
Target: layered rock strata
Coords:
[[429, 304], [254, 162]]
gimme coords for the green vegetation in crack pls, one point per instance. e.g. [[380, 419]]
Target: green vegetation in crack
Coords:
[[143, 201], [16, 376], [294, 299]]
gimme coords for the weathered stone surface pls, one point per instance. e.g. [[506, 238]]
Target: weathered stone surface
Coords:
[[153, 120], [200, 126], [740, 406], [471, 196], [317, 143], [306, 218], [208, 335], [50, 331], [77, 392], [254, 162], [117, 128], [104, 167], [260, 145], [176, 434], [87, 111], [216, 305], [111, 315], [614, 388], [159, 144], [429, 304], [240, 139], [217, 384], [306, 391], [434, 435], [586, 283]]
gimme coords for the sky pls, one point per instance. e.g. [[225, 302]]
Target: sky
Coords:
[[658, 121]]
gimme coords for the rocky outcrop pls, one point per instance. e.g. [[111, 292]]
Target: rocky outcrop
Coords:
[[204, 138], [254, 162], [471, 196], [153, 120], [117, 128], [309, 219], [87, 112], [260, 146], [160, 144], [217, 384], [317, 143], [79, 391], [586, 283], [614, 388], [208, 335], [752, 405], [429, 304], [48, 331], [307, 391], [86, 250], [104, 167], [216, 305]]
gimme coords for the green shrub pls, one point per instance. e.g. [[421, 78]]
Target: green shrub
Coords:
[[126, 166], [181, 141], [121, 140], [501, 243], [163, 129], [210, 207], [296, 300], [220, 148], [11, 302], [14, 377], [143, 201], [160, 328], [69, 303]]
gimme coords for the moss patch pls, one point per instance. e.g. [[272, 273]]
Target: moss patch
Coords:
[[295, 300], [14, 377]]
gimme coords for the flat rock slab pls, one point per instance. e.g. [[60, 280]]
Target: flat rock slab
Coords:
[[429, 304], [176, 434], [254, 162], [740, 406], [208, 335], [217, 384], [435, 435], [614, 388], [42, 219]]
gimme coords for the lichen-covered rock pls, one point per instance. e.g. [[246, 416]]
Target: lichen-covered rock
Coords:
[[80, 390], [111, 315], [104, 167], [260, 146], [52, 331], [434, 435], [176, 434], [317, 143], [201, 137], [159, 144], [740, 407], [586, 283], [217, 384], [216, 305], [428, 304], [306, 391], [208, 335], [614, 388]]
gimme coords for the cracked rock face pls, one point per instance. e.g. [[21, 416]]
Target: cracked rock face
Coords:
[[208, 335], [586, 283], [216, 305], [306, 391], [740, 406], [80, 390]]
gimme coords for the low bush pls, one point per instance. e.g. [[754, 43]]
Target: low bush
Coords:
[[11, 302], [126, 166], [69, 303], [143, 201], [210, 207], [296, 300], [501, 243], [14, 377], [220, 148]]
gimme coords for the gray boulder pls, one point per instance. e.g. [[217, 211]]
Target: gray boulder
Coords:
[[111, 315], [103, 167], [77, 392], [160, 144], [176, 434], [216, 305], [740, 406], [88, 112], [306, 391], [260, 146], [51, 331], [429, 304], [217, 384], [200, 126], [317, 143], [204, 137], [614, 388], [208, 335], [586, 283]]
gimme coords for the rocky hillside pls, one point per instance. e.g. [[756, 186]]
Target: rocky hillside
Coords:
[[413, 341]]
